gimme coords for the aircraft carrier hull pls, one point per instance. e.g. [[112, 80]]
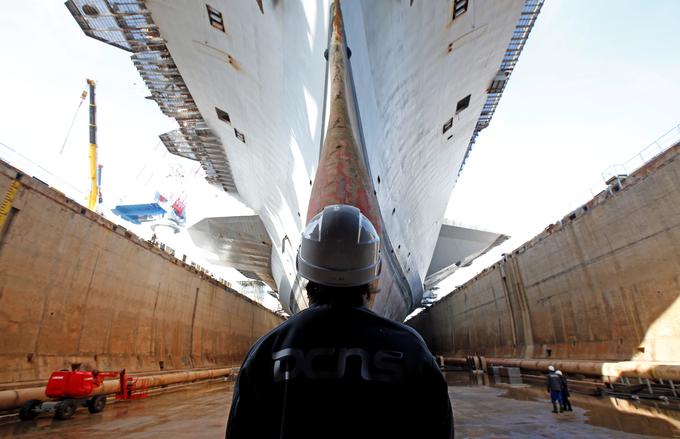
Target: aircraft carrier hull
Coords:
[[250, 85]]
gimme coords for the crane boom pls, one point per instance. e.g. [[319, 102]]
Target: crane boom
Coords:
[[94, 186], [83, 95]]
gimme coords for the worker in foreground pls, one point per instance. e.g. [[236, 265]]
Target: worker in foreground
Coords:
[[336, 369]]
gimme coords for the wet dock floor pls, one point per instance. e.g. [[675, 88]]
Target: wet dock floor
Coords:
[[200, 411]]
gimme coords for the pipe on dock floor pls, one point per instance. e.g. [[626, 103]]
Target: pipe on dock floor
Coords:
[[632, 369], [10, 399]]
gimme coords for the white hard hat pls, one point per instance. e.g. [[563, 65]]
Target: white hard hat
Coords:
[[559, 372], [340, 248], [551, 368]]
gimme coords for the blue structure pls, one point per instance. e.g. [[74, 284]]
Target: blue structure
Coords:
[[139, 213]]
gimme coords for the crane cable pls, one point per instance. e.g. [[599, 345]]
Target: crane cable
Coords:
[[83, 95]]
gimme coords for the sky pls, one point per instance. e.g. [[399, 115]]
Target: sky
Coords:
[[596, 82], [45, 59]]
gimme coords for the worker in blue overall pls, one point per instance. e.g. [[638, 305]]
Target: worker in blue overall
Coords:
[[554, 386], [566, 404], [336, 369]]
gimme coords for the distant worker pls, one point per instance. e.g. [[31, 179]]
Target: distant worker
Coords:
[[565, 392], [554, 385], [336, 369]]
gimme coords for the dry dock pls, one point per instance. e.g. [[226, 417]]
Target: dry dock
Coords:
[[602, 284], [498, 411], [599, 286], [78, 290]]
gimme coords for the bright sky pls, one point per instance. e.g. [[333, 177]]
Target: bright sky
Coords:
[[598, 81], [45, 59]]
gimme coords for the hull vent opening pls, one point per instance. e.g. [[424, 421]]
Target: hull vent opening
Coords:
[[459, 8], [463, 104], [447, 126], [239, 135], [223, 115], [215, 18]]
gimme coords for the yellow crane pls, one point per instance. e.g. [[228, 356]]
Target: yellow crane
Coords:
[[95, 170]]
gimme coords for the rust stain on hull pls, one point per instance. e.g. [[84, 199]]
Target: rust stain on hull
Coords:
[[342, 176]]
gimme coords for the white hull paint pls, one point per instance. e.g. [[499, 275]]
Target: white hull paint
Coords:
[[412, 65]]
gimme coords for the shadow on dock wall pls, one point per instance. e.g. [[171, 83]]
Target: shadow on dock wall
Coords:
[[76, 289], [603, 284]]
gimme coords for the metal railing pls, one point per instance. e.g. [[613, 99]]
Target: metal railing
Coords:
[[618, 171], [523, 28]]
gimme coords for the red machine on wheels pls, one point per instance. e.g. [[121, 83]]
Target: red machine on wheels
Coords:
[[69, 390]]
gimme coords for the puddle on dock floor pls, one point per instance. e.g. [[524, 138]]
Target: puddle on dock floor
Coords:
[[481, 408], [486, 409]]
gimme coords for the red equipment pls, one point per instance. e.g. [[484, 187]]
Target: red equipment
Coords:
[[71, 389], [75, 384]]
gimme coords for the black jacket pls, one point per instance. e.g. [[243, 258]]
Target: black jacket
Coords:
[[565, 386], [553, 382], [340, 372]]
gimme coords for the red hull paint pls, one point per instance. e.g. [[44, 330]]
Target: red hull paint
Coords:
[[342, 176]]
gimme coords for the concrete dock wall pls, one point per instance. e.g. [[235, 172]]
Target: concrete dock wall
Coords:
[[601, 284], [77, 289]]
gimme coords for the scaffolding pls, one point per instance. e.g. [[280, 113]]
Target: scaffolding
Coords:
[[526, 21], [127, 24]]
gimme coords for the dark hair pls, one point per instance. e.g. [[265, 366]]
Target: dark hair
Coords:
[[344, 296]]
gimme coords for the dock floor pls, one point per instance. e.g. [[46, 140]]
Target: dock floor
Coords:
[[200, 411]]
